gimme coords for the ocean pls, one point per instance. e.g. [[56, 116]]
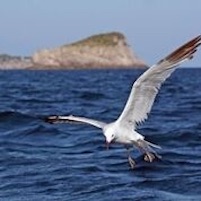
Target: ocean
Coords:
[[41, 161]]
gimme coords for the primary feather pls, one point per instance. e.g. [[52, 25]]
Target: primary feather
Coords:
[[74, 119]]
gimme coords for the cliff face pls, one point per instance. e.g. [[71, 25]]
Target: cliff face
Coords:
[[103, 50]]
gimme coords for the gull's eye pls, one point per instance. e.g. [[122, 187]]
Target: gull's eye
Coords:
[[112, 135]]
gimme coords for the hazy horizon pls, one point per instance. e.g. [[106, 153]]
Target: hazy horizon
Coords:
[[153, 28]]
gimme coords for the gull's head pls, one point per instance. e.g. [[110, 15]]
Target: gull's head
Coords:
[[109, 133]]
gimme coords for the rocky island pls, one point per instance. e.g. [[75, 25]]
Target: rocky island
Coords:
[[98, 51], [109, 50]]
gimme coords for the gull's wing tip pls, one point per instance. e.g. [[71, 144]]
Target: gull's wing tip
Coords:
[[199, 37], [185, 51], [52, 119], [62, 119]]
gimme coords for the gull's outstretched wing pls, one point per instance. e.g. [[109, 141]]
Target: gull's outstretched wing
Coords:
[[146, 87], [73, 119]]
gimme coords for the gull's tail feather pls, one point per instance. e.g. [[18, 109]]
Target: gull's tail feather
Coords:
[[153, 145]]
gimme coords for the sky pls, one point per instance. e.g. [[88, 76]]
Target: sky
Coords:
[[153, 28]]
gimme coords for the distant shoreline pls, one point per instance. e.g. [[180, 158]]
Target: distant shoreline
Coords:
[[101, 51]]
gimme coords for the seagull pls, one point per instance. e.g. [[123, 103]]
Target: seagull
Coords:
[[140, 101]]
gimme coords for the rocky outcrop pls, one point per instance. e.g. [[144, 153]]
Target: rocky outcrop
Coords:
[[98, 51], [14, 62]]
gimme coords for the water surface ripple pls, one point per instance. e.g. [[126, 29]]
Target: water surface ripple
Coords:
[[39, 161]]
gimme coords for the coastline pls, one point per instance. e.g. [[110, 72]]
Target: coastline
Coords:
[[102, 51]]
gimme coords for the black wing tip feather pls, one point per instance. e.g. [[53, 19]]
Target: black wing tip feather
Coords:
[[52, 119], [185, 51], [60, 119]]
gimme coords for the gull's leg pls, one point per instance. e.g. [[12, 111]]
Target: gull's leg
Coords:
[[131, 161]]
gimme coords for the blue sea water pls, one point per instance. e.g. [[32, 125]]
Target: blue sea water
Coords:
[[40, 161]]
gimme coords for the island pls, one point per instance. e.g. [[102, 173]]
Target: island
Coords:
[[107, 50]]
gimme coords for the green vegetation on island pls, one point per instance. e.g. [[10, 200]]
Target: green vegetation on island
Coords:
[[109, 39]]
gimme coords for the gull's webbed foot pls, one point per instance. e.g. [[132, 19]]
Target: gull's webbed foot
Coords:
[[149, 157], [132, 163]]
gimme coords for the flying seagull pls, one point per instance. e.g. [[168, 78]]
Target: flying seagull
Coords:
[[139, 104]]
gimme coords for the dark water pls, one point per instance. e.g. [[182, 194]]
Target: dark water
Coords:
[[39, 161]]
